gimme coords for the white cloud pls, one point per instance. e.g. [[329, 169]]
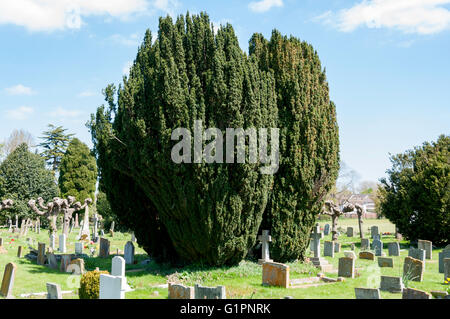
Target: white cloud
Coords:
[[264, 5], [168, 6], [19, 89], [20, 113], [49, 15], [408, 16], [131, 40], [126, 68], [62, 113]]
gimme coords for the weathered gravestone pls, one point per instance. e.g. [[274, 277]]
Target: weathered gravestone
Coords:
[[65, 262], [409, 293], [446, 269], [377, 247], [265, 238], [210, 292], [8, 280], [349, 231], [328, 249], [374, 231], [53, 291], [41, 254], [19, 251], [52, 261], [385, 262], [427, 246], [104, 248], [337, 247], [391, 284], [76, 267], [346, 267], [417, 253], [275, 274], [366, 255], [442, 255], [367, 293], [111, 287], [413, 269], [394, 249], [326, 230], [78, 248], [177, 291], [129, 253], [350, 254], [62, 243], [365, 243]]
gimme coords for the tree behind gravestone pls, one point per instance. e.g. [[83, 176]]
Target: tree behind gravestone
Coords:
[[78, 172], [23, 175], [416, 195]]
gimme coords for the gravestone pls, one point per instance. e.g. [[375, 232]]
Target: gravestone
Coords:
[[446, 268], [317, 260], [349, 231], [337, 247], [62, 243], [328, 249], [52, 261], [374, 231], [385, 262], [41, 254], [367, 293], [326, 230], [366, 255], [350, 254], [427, 246], [377, 247], [365, 243], [104, 248], [111, 287], [377, 237], [129, 253], [1, 241], [177, 291], [77, 225], [218, 292], [275, 274], [346, 267], [265, 238], [417, 253], [19, 252], [442, 255], [8, 280], [413, 269], [391, 284], [409, 293], [394, 249], [352, 246], [53, 242], [78, 248], [118, 270], [76, 267], [65, 262], [53, 291]]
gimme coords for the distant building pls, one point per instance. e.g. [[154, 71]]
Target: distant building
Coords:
[[365, 201]]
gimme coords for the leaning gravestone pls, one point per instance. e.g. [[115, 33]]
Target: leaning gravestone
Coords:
[[328, 249], [367, 293], [8, 280], [177, 291], [427, 246], [391, 284], [210, 292], [53, 291], [374, 231], [394, 249], [377, 246], [409, 293], [349, 231], [129, 253], [413, 269], [346, 267], [104, 248], [365, 243], [326, 230], [442, 255], [385, 262], [275, 274]]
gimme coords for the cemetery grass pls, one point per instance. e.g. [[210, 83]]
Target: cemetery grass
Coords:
[[242, 281]]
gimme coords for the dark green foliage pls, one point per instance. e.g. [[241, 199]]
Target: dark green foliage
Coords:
[[23, 176], [78, 172], [90, 284], [309, 142], [55, 144], [211, 213], [416, 196]]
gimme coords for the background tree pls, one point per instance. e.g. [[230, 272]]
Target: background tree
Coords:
[[416, 195], [23, 176], [55, 142], [104, 209], [77, 172], [16, 138]]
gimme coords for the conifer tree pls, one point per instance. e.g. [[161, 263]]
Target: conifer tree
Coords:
[[55, 142]]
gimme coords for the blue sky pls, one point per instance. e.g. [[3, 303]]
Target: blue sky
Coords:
[[387, 62]]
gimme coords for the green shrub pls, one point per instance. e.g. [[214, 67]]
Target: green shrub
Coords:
[[90, 284]]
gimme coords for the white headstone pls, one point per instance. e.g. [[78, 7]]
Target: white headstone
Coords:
[[62, 243], [78, 248], [53, 242], [111, 287]]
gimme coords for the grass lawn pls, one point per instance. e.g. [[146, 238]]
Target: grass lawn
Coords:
[[242, 281]]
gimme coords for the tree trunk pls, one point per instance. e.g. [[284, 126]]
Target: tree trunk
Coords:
[[360, 222]]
